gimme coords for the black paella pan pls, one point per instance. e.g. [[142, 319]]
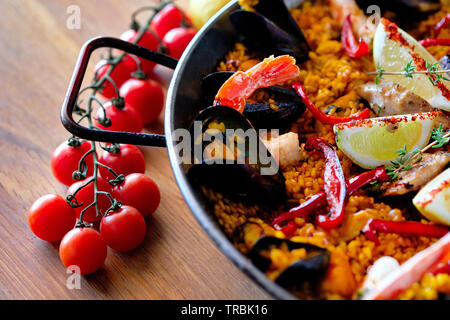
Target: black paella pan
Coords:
[[183, 103]]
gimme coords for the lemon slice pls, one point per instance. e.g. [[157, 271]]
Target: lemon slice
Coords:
[[393, 56], [372, 142], [433, 201]]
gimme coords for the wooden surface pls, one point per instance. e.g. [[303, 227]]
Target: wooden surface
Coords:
[[176, 261]]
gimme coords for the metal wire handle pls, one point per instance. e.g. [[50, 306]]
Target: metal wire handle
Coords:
[[146, 139]]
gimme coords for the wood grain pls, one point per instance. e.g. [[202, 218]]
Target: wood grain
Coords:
[[177, 259]]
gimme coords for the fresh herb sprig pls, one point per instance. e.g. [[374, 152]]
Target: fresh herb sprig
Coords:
[[406, 160], [434, 74]]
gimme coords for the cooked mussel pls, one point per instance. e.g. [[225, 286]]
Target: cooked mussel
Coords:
[[229, 157], [271, 29], [310, 269], [286, 108]]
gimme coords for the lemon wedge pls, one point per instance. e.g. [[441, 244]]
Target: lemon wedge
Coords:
[[433, 200], [373, 142], [393, 49]]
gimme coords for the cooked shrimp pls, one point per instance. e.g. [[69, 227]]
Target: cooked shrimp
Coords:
[[361, 26], [241, 85], [410, 272]]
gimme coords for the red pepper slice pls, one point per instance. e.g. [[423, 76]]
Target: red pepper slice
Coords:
[[441, 25], [435, 42], [335, 187], [323, 117], [320, 199], [351, 47], [408, 228]]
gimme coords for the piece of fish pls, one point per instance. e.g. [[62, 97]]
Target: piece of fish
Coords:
[[420, 173], [389, 98]]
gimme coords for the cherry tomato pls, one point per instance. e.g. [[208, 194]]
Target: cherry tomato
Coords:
[[126, 119], [140, 192], [148, 40], [123, 230], [86, 196], [128, 160], [170, 17], [84, 248], [121, 73], [176, 40], [65, 161], [146, 97], [51, 217]]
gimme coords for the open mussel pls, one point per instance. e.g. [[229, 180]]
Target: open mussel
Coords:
[[229, 157], [286, 107], [271, 29], [307, 270]]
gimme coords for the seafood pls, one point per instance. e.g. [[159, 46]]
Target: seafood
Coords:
[[422, 172], [388, 98]]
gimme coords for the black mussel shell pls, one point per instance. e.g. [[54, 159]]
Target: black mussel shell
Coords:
[[263, 35], [277, 12], [287, 108], [310, 269], [211, 84], [249, 178]]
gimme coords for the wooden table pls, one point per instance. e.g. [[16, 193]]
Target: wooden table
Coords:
[[177, 259]]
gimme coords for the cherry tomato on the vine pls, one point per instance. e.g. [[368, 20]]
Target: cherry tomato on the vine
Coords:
[[86, 196], [84, 248], [125, 119], [140, 192], [123, 230], [176, 40], [51, 217], [129, 159], [121, 73], [148, 40], [145, 96], [170, 17], [65, 161]]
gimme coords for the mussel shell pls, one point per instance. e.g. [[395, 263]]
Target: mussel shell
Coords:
[[258, 182], [241, 182], [263, 35], [310, 269], [277, 12], [288, 108], [261, 115]]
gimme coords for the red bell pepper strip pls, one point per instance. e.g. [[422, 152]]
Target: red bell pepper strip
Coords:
[[320, 199], [323, 117], [441, 25], [335, 187], [435, 42], [408, 228], [351, 47]]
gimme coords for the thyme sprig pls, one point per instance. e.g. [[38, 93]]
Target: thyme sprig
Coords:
[[434, 74], [406, 160]]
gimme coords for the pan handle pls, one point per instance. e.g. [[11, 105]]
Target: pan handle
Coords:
[[146, 139]]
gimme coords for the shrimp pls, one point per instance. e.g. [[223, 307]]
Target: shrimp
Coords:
[[285, 149], [362, 27], [241, 85], [411, 271]]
